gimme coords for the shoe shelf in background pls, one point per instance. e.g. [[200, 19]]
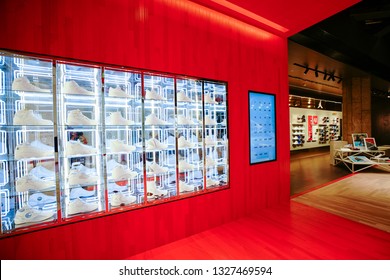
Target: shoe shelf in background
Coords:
[[298, 134], [80, 140]]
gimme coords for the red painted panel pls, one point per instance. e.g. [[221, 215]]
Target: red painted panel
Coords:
[[171, 36]]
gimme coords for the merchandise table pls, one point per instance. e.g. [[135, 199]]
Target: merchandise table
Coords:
[[358, 160]]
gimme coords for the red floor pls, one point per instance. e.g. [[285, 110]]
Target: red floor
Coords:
[[294, 231]]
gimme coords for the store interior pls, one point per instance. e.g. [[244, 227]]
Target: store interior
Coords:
[[230, 48]]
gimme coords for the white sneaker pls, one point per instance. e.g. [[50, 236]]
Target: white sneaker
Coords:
[[153, 120], [80, 193], [184, 187], [154, 168], [120, 173], [31, 182], [78, 177], [210, 182], [42, 172], [117, 92], [117, 146], [40, 199], [71, 87], [111, 164], [78, 206], [27, 214], [154, 144], [152, 190], [209, 121], [77, 148], [184, 166], [34, 150], [182, 97], [119, 199], [208, 99], [23, 84], [209, 141], [76, 117], [183, 143], [116, 118], [28, 117], [210, 162], [152, 94], [182, 120]]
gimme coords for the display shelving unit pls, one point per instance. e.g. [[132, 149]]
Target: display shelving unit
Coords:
[[80, 140]]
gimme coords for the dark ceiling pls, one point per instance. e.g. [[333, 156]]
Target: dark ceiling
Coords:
[[358, 36]]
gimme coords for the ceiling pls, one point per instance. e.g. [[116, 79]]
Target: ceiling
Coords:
[[345, 37], [281, 17], [358, 37]]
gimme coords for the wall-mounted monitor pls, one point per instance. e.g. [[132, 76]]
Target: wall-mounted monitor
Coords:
[[262, 127]]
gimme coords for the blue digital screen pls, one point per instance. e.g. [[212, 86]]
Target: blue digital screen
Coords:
[[262, 127]]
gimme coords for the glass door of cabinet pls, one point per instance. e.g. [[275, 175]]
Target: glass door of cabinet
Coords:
[[216, 136], [123, 137], [79, 112], [27, 153], [190, 135], [159, 136]]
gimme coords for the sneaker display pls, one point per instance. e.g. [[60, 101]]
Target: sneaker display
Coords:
[[152, 94], [76, 117], [28, 117], [40, 199], [154, 168], [210, 162], [79, 206], [71, 87], [119, 199], [182, 97], [153, 120], [117, 146], [80, 177], [116, 118], [183, 143], [80, 193], [209, 141], [211, 182], [77, 148], [121, 172], [23, 84], [42, 172], [27, 214], [34, 150], [111, 164], [209, 121], [152, 190], [184, 166], [182, 120], [208, 99], [184, 187], [117, 92], [31, 182], [154, 144]]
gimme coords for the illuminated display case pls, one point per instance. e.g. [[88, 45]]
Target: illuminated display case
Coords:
[[80, 140]]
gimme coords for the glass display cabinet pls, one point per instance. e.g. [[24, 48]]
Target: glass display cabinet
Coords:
[[79, 140], [28, 176]]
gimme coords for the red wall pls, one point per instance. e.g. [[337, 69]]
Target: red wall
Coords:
[[171, 36]]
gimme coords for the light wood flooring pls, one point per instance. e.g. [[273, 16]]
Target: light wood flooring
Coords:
[[363, 197]]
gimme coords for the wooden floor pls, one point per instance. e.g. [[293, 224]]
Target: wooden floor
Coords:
[[363, 197], [293, 231]]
